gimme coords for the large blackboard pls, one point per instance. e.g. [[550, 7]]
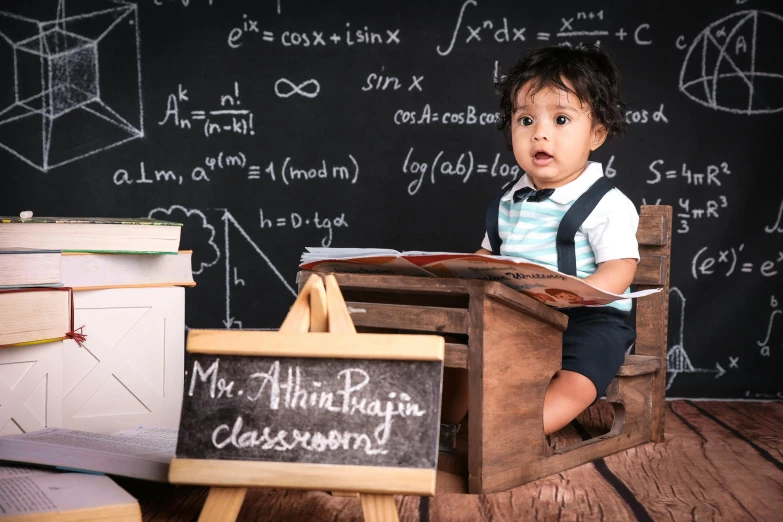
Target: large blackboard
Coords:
[[319, 411], [268, 126]]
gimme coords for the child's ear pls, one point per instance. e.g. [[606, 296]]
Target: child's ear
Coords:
[[599, 135]]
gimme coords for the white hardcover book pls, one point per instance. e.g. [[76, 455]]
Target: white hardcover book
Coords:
[[85, 271], [131, 368], [32, 495], [27, 266], [31, 390]]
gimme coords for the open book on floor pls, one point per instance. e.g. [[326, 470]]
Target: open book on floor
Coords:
[[141, 452], [539, 282], [36, 495]]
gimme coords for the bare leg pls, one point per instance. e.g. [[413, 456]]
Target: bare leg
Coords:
[[568, 394], [454, 405]]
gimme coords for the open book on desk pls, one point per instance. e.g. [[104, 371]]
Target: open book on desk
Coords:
[[537, 281], [141, 452]]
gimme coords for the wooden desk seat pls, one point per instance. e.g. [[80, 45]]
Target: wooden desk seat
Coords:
[[511, 346]]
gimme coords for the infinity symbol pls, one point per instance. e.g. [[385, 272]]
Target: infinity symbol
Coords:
[[297, 89]]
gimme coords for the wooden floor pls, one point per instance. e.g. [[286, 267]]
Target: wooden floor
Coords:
[[720, 461]]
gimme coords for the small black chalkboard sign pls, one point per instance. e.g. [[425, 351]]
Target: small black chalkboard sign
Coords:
[[320, 404], [324, 411]]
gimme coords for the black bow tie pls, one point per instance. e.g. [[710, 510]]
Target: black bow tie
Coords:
[[530, 194]]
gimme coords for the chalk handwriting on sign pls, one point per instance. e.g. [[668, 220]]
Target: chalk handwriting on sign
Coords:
[[298, 409]]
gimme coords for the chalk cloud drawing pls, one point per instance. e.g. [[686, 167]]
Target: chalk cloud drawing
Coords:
[[739, 54], [72, 80], [196, 233]]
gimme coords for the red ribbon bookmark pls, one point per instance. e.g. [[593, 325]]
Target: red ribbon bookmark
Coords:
[[76, 334]]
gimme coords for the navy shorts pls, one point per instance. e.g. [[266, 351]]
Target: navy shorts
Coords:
[[595, 342]]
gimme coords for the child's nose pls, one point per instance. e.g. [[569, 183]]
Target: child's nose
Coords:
[[540, 132]]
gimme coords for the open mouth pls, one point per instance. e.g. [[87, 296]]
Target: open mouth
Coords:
[[542, 158]]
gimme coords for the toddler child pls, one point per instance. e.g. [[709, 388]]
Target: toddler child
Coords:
[[559, 104]]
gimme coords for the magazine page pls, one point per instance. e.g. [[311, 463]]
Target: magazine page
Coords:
[[548, 286]]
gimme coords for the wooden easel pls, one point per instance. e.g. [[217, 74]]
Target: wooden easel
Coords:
[[318, 308]]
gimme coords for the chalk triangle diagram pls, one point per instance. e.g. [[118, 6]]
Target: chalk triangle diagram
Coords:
[[250, 273]]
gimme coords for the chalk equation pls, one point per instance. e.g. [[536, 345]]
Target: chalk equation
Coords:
[[711, 175], [382, 81], [249, 30], [227, 117], [500, 30], [777, 226], [460, 168], [764, 343], [638, 116], [685, 213], [730, 261], [288, 171], [467, 116], [295, 221]]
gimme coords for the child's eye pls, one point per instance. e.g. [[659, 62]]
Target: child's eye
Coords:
[[526, 121], [562, 120]]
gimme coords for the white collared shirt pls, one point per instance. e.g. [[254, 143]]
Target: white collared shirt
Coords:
[[529, 229]]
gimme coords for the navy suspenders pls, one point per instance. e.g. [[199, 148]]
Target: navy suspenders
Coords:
[[573, 219], [492, 219]]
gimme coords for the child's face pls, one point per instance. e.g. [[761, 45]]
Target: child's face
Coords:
[[552, 135]]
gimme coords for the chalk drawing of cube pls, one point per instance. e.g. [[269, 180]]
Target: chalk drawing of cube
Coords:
[[74, 87]]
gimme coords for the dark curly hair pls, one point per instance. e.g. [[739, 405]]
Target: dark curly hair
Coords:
[[590, 71]]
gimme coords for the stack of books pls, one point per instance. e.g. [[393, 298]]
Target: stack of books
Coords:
[[92, 323]]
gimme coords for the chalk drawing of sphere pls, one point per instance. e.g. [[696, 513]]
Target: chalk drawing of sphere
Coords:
[[735, 64]]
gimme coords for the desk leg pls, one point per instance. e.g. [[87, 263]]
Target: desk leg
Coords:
[[379, 508], [222, 504]]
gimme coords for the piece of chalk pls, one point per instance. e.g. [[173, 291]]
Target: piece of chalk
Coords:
[[27, 214]]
